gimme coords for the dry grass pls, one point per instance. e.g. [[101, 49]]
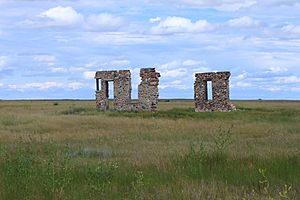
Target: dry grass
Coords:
[[260, 129]]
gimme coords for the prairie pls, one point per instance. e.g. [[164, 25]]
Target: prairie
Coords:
[[70, 150]]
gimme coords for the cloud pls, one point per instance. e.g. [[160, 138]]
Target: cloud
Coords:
[[75, 85], [179, 74], [156, 19], [242, 84], [104, 22], [172, 25], [291, 28], [278, 69], [241, 76], [68, 17], [58, 70], [36, 85], [243, 22], [62, 16], [89, 74], [194, 63], [231, 5], [117, 63], [47, 85], [273, 81], [264, 55], [178, 84], [121, 38], [104, 64], [173, 75], [3, 62], [44, 58], [276, 3], [288, 79]]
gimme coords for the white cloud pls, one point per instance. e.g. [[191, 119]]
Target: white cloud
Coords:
[[181, 25], [198, 63], [156, 19], [58, 70], [243, 22], [178, 84], [117, 63], [3, 62], [278, 69], [202, 70], [77, 69], [62, 16], [49, 59], [288, 79], [171, 72], [175, 73], [274, 88], [182, 69], [89, 74], [47, 85], [277, 3], [120, 38], [170, 65], [104, 22], [242, 84], [291, 28], [111, 63], [274, 59], [241, 76], [231, 5], [42, 85], [68, 17], [75, 85]]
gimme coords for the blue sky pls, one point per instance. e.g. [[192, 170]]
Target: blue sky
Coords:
[[52, 48]]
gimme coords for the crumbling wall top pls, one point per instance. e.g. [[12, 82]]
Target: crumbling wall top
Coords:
[[149, 74], [213, 75], [111, 75]]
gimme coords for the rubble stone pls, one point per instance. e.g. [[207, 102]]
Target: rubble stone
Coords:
[[220, 92], [122, 89], [147, 90]]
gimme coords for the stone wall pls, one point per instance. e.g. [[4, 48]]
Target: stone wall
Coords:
[[122, 89], [148, 90], [220, 92]]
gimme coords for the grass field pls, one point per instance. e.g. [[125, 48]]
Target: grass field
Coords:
[[69, 150]]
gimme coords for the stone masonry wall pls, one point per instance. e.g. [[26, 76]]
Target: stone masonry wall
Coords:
[[220, 92], [122, 89], [148, 90]]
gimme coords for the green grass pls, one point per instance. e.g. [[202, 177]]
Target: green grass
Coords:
[[69, 150]]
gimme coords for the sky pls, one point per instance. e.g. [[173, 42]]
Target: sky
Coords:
[[51, 49]]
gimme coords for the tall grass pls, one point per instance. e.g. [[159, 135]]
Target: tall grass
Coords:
[[72, 151], [31, 171]]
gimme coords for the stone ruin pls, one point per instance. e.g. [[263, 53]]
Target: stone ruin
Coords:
[[122, 89], [220, 92], [147, 90]]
